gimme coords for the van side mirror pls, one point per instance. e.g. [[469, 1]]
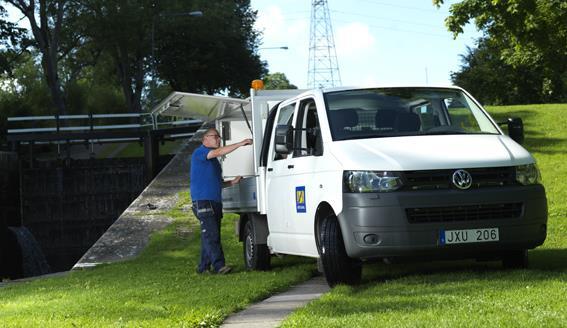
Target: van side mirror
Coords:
[[284, 139], [515, 129]]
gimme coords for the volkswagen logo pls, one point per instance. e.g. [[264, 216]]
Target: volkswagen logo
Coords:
[[462, 179]]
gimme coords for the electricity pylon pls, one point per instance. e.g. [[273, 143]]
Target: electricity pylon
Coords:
[[323, 68]]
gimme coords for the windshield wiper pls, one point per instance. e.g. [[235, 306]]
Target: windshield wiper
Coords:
[[431, 133], [445, 132]]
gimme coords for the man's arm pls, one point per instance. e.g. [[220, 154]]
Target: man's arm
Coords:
[[232, 182], [221, 151]]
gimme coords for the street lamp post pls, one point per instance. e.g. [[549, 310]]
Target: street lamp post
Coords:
[[196, 13], [268, 48]]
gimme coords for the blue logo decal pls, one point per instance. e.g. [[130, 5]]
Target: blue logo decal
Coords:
[[300, 199]]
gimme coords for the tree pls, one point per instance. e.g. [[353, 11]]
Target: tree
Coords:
[[493, 81], [13, 43], [122, 29], [277, 81], [212, 53], [77, 41], [528, 32], [48, 21]]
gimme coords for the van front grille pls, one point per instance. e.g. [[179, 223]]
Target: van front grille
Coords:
[[464, 213], [442, 179]]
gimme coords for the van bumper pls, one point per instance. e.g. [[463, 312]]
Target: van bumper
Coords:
[[387, 217]]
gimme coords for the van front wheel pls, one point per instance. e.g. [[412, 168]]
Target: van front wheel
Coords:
[[337, 266], [256, 256]]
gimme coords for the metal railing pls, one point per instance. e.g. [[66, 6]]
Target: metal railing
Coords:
[[97, 128]]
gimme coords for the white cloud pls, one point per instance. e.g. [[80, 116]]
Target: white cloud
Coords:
[[279, 30], [353, 39], [271, 23]]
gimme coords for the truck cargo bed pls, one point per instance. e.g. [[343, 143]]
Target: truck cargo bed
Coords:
[[241, 197]]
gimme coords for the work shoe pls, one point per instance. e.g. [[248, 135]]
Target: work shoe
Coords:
[[202, 272], [224, 270]]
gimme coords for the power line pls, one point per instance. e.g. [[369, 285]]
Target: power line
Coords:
[[401, 6], [378, 18], [385, 18], [399, 30]]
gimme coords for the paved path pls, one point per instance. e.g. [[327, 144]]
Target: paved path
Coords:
[[271, 311]]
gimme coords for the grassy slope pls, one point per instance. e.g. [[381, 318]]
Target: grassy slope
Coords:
[[158, 289], [470, 294]]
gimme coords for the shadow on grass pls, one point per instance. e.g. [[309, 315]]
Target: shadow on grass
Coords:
[[534, 137], [536, 142], [399, 290], [545, 260]]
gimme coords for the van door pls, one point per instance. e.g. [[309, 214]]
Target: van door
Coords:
[[306, 178], [279, 200]]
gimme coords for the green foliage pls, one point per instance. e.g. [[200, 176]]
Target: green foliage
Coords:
[[12, 43], [277, 81], [529, 35], [486, 75], [126, 41], [158, 289], [210, 53], [467, 293], [25, 92]]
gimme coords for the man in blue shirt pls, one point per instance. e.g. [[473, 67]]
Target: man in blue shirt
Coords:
[[206, 190]]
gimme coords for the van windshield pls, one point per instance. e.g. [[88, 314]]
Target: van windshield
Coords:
[[391, 112]]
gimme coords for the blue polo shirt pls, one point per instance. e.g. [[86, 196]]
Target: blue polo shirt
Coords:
[[206, 176]]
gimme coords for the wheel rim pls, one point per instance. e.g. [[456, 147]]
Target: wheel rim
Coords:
[[249, 249]]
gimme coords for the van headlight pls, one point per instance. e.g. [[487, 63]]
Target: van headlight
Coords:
[[371, 181], [528, 174]]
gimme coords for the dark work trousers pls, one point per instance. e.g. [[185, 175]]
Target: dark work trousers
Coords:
[[209, 214]]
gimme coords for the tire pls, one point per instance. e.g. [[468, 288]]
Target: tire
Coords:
[[256, 256], [515, 259], [337, 266]]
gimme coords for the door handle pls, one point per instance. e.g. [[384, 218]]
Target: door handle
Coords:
[[270, 169], [290, 166]]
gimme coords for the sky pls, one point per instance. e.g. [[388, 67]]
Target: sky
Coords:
[[376, 41]]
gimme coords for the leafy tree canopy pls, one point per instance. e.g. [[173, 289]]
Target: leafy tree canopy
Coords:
[[277, 81], [211, 53], [493, 81], [526, 32], [76, 42]]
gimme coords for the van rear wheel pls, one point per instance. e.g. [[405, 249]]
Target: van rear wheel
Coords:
[[256, 256], [337, 266]]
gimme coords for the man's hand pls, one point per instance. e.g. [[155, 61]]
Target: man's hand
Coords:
[[246, 142], [235, 180]]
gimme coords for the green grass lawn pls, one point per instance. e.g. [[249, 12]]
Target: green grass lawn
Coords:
[[158, 289], [468, 293]]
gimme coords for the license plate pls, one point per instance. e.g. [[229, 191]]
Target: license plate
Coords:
[[447, 237]]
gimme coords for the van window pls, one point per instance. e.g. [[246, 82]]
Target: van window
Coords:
[[285, 116], [393, 112], [308, 141]]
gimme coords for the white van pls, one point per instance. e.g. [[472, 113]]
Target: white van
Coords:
[[349, 175]]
